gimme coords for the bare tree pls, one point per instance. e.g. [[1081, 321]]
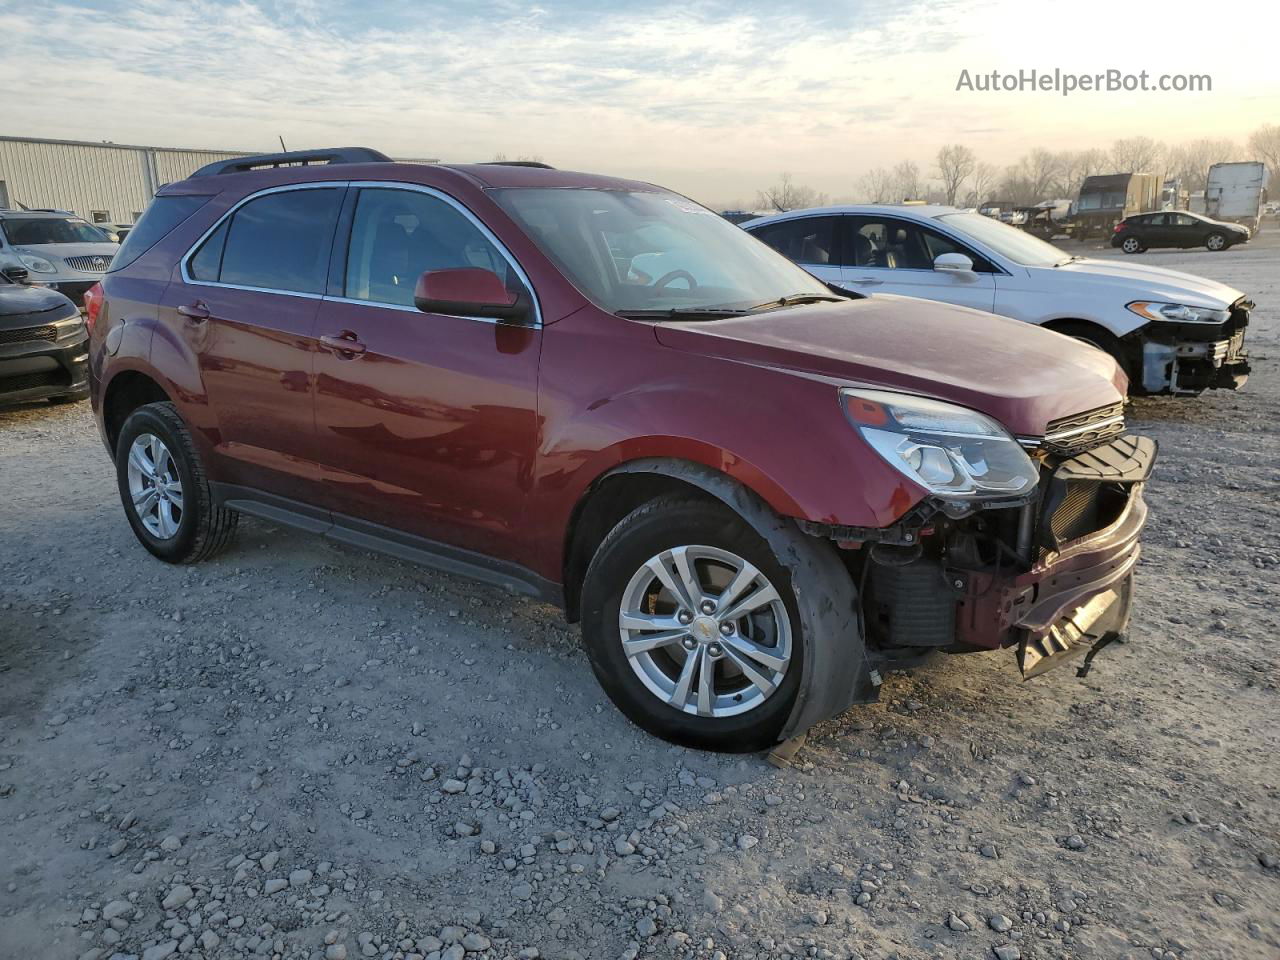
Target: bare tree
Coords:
[[1191, 161], [522, 158], [786, 195], [1074, 166], [1136, 155], [1037, 171], [1265, 146], [907, 184], [981, 182], [876, 186], [955, 164]]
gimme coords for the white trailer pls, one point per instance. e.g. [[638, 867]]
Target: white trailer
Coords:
[[1236, 192]]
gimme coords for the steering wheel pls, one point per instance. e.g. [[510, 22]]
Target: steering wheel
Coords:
[[666, 278]]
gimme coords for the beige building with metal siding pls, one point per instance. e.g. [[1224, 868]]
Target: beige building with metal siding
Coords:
[[101, 182]]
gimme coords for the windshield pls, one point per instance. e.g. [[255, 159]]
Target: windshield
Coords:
[[41, 230], [637, 251], [1018, 245]]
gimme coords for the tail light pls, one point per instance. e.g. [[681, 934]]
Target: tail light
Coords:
[[92, 305], [1118, 227]]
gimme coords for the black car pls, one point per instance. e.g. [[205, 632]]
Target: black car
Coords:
[[43, 344], [1176, 228]]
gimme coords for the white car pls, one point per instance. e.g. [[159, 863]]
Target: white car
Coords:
[[1172, 332]]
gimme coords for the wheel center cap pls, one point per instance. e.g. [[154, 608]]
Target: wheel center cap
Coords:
[[705, 629]]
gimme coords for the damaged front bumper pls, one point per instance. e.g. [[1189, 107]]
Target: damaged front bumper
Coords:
[[1188, 358], [1075, 595]]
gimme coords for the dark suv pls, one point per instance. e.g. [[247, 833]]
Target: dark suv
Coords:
[[756, 493]]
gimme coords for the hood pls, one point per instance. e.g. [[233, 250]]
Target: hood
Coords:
[[1134, 281], [1013, 371], [19, 300]]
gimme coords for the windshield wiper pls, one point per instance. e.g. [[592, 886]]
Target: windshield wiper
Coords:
[[795, 299], [682, 313], [1071, 259]]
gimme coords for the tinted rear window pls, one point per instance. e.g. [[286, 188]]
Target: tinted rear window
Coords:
[[281, 241], [160, 217]]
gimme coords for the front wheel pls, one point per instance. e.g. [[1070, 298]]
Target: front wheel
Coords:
[[1131, 245], [690, 624], [164, 490], [1215, 242]]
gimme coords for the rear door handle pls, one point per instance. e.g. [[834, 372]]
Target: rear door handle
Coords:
[[868, 281], [196, 312], [344, 344]]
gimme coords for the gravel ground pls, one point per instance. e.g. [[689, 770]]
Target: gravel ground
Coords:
[[303, 751]]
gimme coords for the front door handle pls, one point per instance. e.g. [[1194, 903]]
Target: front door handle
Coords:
[[196, 312], [344, 344], [868, 281]]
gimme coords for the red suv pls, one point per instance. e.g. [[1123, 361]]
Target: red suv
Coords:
[[755, 492]]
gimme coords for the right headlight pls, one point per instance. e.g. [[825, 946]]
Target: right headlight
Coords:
[[1177, 312], [38, 264], [954, 452]]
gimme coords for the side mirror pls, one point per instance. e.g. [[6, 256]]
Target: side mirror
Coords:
[[16, 274], [953, 263], [470, 292]]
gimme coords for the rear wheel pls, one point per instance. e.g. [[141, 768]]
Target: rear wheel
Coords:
[[164, 490], [690, 625], [1131, 245], [1215, 242]]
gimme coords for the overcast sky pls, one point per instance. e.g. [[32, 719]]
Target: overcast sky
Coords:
[[711, 98]]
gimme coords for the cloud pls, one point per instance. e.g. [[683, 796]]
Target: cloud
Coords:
[[709, 94]]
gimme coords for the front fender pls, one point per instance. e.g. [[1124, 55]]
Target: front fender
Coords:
[[837, 672]]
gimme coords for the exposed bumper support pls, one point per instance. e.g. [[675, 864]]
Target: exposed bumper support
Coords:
[[1078, 593]]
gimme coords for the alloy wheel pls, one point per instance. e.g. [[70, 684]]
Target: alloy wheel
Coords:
[[154, 486], [1131, 245], [1215, 242], [705, 631]]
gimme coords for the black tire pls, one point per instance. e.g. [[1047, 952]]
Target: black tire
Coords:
[[1220, 239], [657, 526], [204, 527], [1132, 245]]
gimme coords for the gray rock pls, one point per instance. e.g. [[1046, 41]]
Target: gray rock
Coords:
[[161, 950], [335, 951], [300, 878], [1008, 951], [999, 923], [645, 927], [475, 942], [956, 924], [117, 908], [274, 886], [170, 843], [176, 898]]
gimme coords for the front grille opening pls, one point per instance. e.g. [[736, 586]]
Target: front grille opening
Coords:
[[1087, 508], [33, 381], [28, 334]]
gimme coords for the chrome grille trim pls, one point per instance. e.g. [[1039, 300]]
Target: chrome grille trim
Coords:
[[96, 264], [1067, 436]]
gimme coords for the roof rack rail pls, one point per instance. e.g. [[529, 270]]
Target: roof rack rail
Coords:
[[327, 155], [537, 164]]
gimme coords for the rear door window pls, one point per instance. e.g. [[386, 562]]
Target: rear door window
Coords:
[[279, 241], [809, 241]]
